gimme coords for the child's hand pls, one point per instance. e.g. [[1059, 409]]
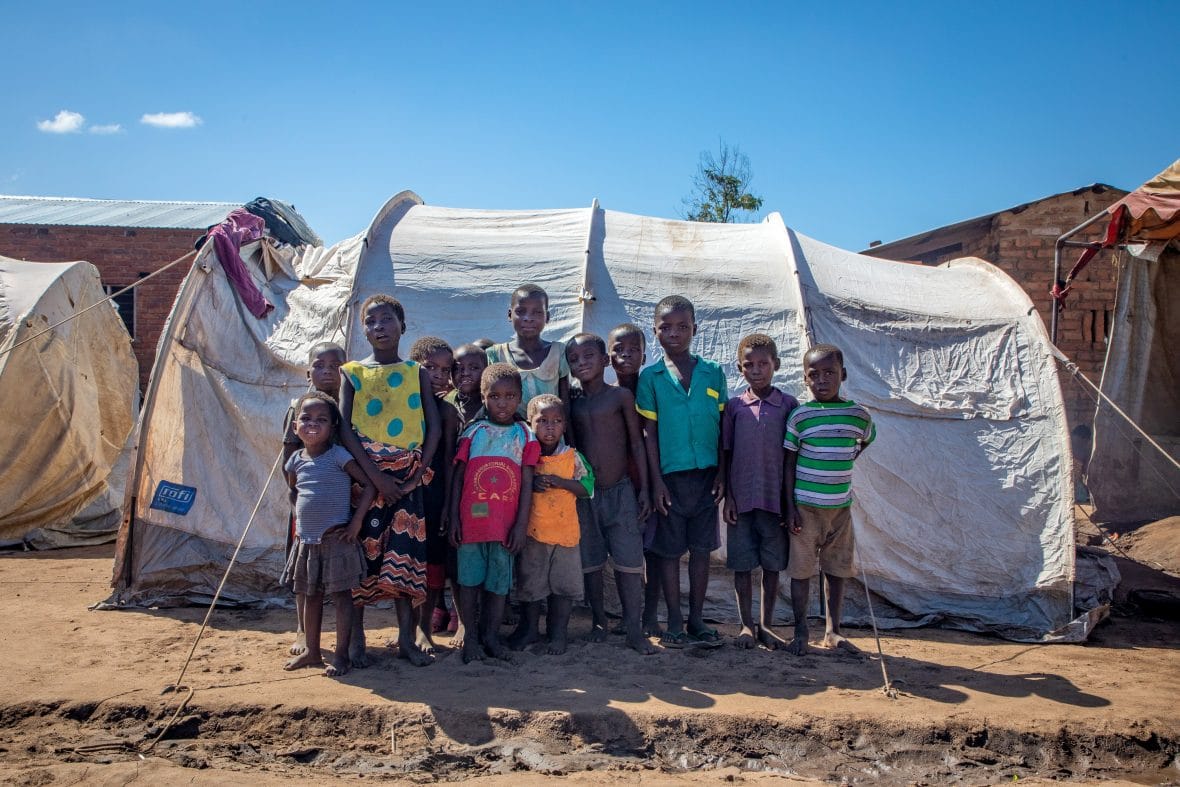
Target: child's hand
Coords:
[[542, 482], [456, 534], [352, 534], [729, 511], [718, 490], [793, 522], [444, 524], [660, 497], [644, 504], [516, 539], [389, 488]]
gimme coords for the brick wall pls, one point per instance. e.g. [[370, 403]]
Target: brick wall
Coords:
[[1020, 242], [122, 256]]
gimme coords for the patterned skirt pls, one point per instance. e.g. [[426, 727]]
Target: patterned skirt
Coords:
[[393, 536]]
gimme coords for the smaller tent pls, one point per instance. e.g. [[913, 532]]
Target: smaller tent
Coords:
[[1129, 478], [70, 399]]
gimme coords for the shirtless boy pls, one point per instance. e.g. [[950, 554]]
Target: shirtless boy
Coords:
[[606, 426]]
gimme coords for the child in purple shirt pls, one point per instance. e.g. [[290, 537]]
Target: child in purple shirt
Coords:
[[752, 428]]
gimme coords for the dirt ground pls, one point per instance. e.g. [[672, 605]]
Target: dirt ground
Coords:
[[81, 703]]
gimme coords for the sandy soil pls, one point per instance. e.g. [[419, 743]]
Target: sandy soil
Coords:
[[81, 702]]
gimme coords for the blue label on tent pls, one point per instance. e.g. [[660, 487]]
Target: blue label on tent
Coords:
[[174, 498]]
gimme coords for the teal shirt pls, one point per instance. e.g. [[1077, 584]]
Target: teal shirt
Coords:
[[688, 425]]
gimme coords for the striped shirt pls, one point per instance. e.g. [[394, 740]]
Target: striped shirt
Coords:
[[828, 436]]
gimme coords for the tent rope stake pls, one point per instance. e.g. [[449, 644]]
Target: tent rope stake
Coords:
[[888, 689], [107, 299]]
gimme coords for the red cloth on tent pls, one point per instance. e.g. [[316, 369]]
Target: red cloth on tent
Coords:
[[239, 227]]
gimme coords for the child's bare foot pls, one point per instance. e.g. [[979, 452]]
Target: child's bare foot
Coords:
[[746, 638], [522, 638], [299, 646], [306, 660], [640, 645], [357, 656], [597, 633], [834, 641], [496, 649], [769, 639], [339, 667], [557, 645], [425, 643], [798, 646], [413, 654], [472, 651]]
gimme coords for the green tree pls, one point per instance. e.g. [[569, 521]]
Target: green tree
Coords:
[[721, 188]]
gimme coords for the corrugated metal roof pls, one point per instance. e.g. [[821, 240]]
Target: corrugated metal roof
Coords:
[[78, 212]]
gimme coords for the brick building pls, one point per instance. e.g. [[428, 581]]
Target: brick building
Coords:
[[1020, 241], [125, 240]]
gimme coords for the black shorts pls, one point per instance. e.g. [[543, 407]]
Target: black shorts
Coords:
[[691, 522]]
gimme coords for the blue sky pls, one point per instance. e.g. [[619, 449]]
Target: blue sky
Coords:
[[862, 121]]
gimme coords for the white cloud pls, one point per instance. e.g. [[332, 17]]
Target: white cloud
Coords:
[[64, 122], [171, 119], [113, 128]]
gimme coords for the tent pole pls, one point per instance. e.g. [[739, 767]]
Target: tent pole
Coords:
[[1057, 247], [586, 296]]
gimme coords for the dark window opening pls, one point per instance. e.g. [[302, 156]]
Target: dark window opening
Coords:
[[126, 305]]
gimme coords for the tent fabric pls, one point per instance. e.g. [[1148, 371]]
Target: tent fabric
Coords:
[[70, 398], [1153, 208], [962, 509], [1128, 479]]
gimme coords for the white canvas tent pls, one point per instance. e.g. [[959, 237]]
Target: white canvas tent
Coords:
[[70, 399], [963, 512]]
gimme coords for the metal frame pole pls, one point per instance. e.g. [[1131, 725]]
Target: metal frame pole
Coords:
[[1057, 247]]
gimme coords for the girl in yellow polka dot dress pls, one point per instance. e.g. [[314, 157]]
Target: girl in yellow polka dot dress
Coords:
[[394, 434]]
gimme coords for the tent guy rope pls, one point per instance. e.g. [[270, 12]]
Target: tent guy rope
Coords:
[[107, 299]]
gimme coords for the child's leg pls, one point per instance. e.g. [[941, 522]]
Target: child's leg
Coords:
[[340, 663], [493, 614], [467, 602], [299, 646], [743, 587], [766, 634], [698, 583], [357, 656], [313, 612], [800, 594], [670, 585], [835, 608], [425, 616], [558, 622], [651, 596], [528, 630], [630, 586], [407, 647], [594, 597]]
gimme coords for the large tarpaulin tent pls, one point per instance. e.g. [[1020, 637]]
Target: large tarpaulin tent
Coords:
[[963, 511], [70, 398], [1130, 479]]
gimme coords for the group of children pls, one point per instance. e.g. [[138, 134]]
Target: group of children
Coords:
[[460, 464]]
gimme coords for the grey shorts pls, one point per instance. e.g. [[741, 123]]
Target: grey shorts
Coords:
[[691, 523], [331, 566], [824, 543], [611, 528], [757, 540], [548, 570]]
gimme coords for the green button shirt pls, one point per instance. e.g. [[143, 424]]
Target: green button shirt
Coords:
[[688, 424]]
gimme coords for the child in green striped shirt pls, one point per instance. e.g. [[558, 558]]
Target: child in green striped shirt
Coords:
[[823, 439]]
